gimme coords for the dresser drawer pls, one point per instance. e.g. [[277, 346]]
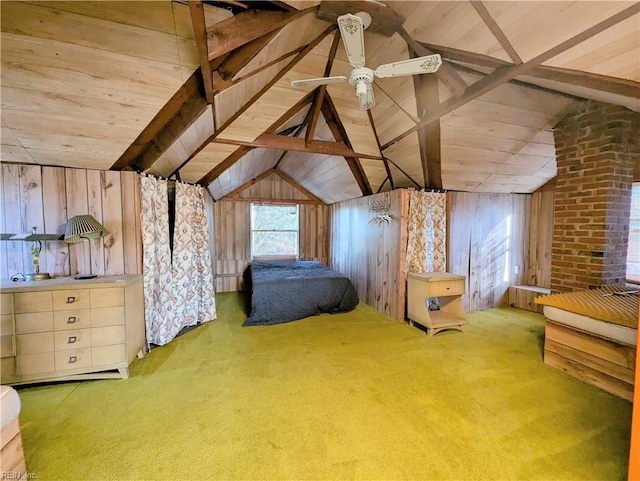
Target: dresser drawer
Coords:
[[6, 346], [36, 322], [35, 363], [71, 299], [6, 304], [105, 336], [24, 302], [74, 359], [6, 325], [107, 316], [73, 319], [72, 339], [7, 369], [107, 297], [447, 288], [101, 356], [34, 343]]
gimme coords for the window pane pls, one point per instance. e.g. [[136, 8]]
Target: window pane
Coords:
[[275, 243], [274, 217]]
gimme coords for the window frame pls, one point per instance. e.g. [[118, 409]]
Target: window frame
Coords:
[[295, 256]]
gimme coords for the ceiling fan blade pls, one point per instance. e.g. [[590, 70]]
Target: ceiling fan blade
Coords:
[[428, 64], [314, 82], [352, 31], [367, 100]]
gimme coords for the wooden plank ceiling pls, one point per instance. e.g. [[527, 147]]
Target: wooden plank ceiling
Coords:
[[202, 91]]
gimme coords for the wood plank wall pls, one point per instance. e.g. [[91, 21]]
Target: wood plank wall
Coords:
[[372, 256], [232, 227], [488, 236], [46, 197], [538, 267]]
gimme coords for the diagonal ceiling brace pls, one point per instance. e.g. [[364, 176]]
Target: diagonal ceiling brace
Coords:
[[340, 134], [320, 91], [186, 105], [226, 36], [504, 74], [214, 173]]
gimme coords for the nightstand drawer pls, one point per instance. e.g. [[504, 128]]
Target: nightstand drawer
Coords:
[[108, 297], [107, 316], [72, 339], [75, 359], [71, 299], [34, 343], [74, 319], [35, 363], [24, 302], [447, 288], [36, 322]]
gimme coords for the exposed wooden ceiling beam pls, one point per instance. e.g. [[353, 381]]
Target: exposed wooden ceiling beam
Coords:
[[445, 73], [384, 20], [287, 178], [427, 98], [603, 83], [240, 57], [386, 164], [308, 48], [186, 105], [236, 192], [226, 36], [320, 91], [220, 84], [297, 144], [504, 74], [214, 173], [497, 32], [340, 134], [196, 8], [404, 173]]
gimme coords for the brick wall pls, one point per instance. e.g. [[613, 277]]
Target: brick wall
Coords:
[[597, 151]]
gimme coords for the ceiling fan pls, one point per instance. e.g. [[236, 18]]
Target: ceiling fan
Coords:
[[352, 31]]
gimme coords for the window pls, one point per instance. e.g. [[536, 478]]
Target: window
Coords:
[[633, 249], [274, 231]]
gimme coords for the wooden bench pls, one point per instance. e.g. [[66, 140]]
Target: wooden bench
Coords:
[[523, 297]]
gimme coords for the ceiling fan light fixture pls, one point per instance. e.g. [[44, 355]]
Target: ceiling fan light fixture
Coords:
[[361, 89], [366, 19]]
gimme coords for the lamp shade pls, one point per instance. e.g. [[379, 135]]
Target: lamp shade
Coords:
[[82, 227]]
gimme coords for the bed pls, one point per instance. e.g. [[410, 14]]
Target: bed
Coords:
[[592, 335], [286, 291]]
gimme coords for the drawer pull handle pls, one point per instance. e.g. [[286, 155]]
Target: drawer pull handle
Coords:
[[72, 340], [71, 300], [71, 320], [73, 359]]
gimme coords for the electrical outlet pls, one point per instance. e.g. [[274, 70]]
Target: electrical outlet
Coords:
[[516, 269]]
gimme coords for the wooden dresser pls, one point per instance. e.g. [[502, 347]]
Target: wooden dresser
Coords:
[[66, 329]]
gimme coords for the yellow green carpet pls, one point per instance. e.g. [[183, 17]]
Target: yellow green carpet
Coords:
[[347, 396]]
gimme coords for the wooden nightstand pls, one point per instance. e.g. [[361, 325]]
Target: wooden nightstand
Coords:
[[449, 288]]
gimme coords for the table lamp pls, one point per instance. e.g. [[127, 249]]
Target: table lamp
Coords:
[[81, 227]]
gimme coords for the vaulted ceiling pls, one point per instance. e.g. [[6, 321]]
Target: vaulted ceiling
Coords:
[[202, 90]]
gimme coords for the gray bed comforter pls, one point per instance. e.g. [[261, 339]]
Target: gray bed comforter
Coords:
[[286, 291]]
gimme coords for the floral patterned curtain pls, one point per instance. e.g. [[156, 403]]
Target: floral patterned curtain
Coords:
[[193, 294], [156, 259], [427, 232]]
